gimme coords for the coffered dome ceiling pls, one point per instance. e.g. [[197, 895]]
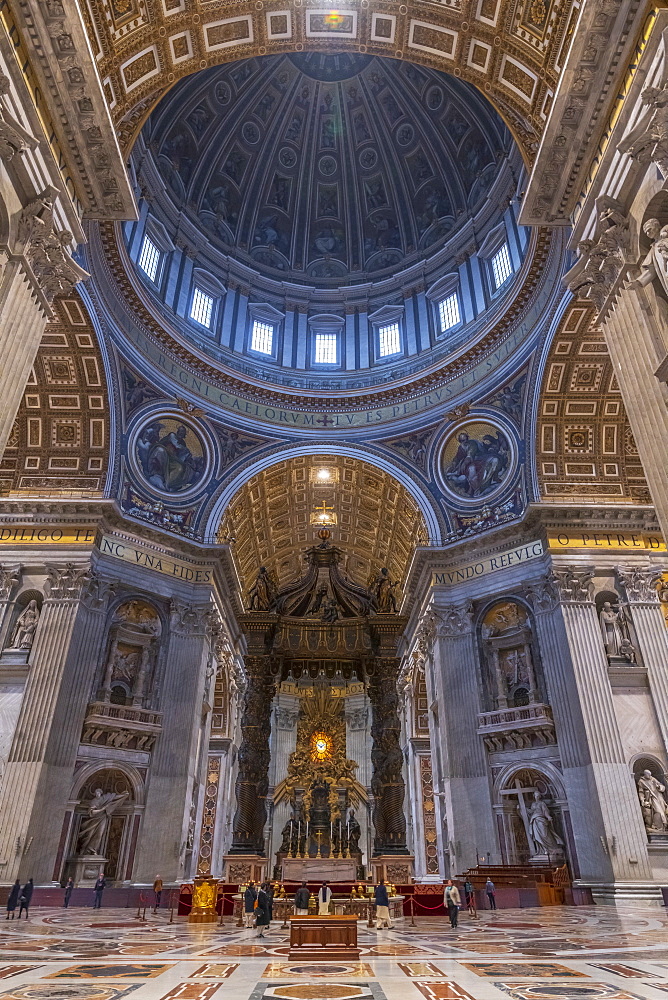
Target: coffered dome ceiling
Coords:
[[326, 168]]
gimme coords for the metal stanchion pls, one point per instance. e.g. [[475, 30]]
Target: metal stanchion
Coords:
[[221, 922], [413, 924], [171, 906], [370, 923]]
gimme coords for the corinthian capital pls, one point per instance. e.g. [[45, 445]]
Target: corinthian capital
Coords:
[[543, 594], [574, 585], [454, 619], [189, 618], [66, 582], [9, 577], [97, 593], [639, 584]]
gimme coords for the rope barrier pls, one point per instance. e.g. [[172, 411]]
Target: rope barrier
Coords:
[[426, 907]]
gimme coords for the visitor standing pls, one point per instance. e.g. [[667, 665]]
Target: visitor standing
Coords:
[[13, 898], [302, 900], [25, 897], [452, 901], [324, 897], [68, 892], [98, 889], [490, 889], [262, 910], [250, 899], [382, 906], [469, 896], [157, 892]]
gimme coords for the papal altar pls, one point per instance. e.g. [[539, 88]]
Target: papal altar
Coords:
[[319, 870]]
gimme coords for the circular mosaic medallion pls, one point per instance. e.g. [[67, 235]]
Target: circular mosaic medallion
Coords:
[[405, 135], [316, 970], [251, 133], [477, 460], [434, 98], [287, 157], [327, 165], [368, 158], [170, 455], [223, 93]]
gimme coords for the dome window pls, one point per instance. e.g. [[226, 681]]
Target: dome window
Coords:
[[449, 313], [326, 348], [201, 308], [149, 258], [389, 340], [502, 267], [262, 337]]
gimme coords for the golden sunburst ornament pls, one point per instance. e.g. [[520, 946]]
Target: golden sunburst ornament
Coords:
[[321, 746]]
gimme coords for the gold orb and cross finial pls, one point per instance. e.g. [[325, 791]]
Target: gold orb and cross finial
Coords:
[[323, 515]]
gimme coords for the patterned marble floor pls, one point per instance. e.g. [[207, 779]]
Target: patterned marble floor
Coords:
[[583, 953]]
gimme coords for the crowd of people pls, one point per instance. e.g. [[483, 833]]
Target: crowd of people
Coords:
[[258, 901]]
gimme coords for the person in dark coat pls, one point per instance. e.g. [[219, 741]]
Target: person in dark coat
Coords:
[[302, 900], [25, 897], [68, 892], [13, 898], [98, 889], [269, 889], [262, 912], [250, 895], [382, 906]]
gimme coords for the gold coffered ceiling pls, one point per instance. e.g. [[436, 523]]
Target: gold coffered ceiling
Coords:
[[512, 50], [378, 522]]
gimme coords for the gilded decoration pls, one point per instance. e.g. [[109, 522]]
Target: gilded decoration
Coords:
[[432, 36], [319, 760], [379, 524], [59, 444], [584, 443]]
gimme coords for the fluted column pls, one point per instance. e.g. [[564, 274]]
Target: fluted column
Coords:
[[633, 333], [22, 322], [39, 770], [466, 789], [172, 799], [608, 831], [9, 577], [651, 634]]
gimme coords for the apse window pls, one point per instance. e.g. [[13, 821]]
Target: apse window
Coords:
[[501, 266], [149, 258], [448, 312], [325, 348], [201, 309], [389, 340], [262, 337]]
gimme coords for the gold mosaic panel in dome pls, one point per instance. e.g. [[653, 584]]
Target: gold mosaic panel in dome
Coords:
[[507, 48], [59, 445], [585, 447], [378, 522]]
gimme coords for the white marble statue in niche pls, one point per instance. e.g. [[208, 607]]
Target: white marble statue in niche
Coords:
[[615, 632], [23, 635], [94, 827], [653, 803], [541, 828]]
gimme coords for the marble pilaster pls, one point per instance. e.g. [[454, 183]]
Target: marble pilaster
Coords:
[[651, 634], [174, 785], [607, 826], [38, 776], [466, 788], [634, 334], [22, 321]]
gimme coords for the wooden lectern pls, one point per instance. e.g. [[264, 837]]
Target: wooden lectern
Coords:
[[323, 938]]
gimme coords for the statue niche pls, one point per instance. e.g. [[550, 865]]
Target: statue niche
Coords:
[[133, 643], [507, 642], [21, 635], [531, 820], [615, 630], [651, 786], [99, 832]]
